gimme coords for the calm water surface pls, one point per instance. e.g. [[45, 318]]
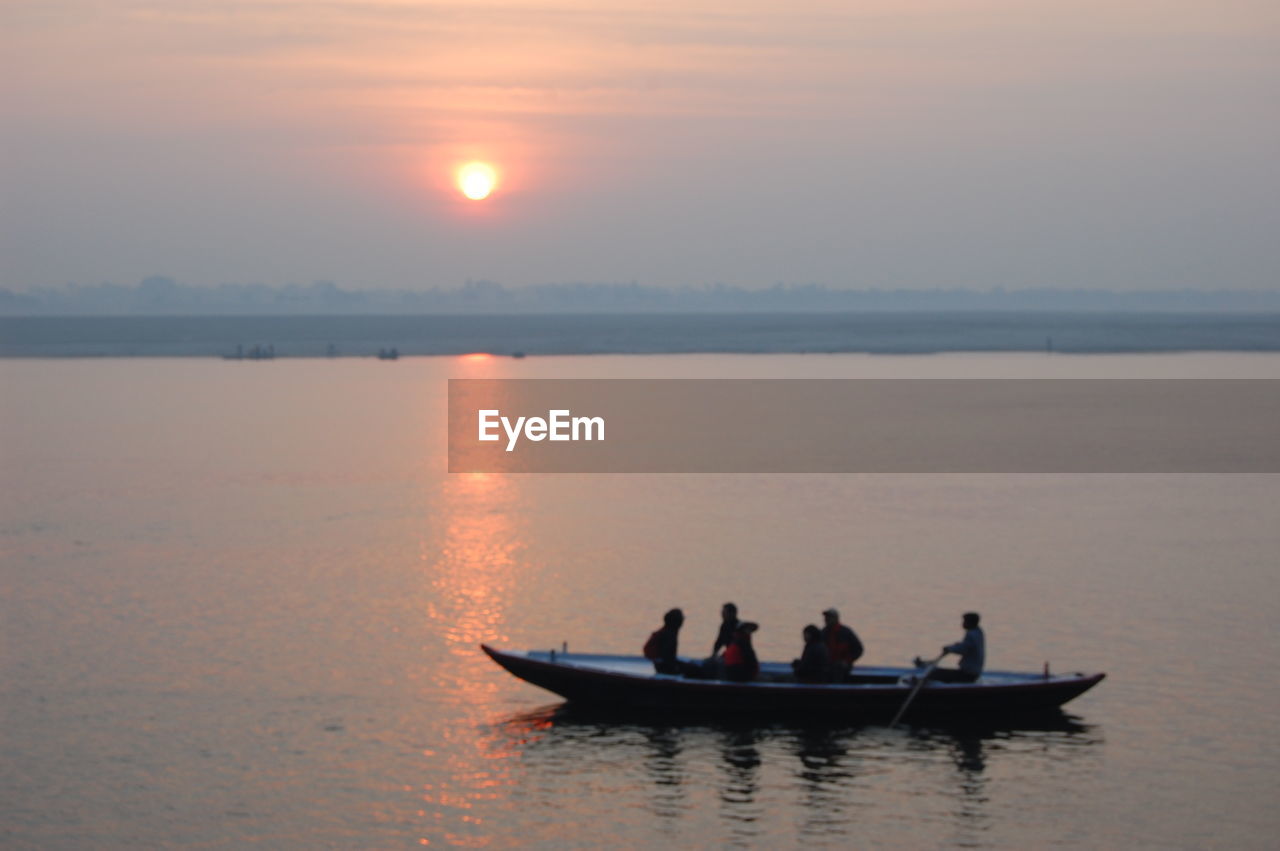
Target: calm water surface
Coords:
[[242, 604]]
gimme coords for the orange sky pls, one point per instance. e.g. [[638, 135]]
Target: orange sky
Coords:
[[869, 144]]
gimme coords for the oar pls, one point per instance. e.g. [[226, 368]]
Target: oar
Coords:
[[919, 685]]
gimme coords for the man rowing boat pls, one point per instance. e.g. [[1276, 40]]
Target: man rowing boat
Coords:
[[972, 650]]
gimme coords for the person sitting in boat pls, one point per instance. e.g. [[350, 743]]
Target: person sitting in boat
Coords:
[[740, 662], [814, 664], [663, 645], [842, 643], [972, 650], [728, 626]]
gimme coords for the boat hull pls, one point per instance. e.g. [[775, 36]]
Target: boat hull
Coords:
[[588, 680]]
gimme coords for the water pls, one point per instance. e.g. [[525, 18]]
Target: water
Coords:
[[639, 333], [242, 604]]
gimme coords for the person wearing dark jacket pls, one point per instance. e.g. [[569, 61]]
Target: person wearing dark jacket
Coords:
[[842, 643], [728, 625], [814, 664], [740, 662], [664, 644]]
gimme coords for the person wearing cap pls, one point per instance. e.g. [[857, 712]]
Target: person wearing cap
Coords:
[[740, 662], [843, 645]]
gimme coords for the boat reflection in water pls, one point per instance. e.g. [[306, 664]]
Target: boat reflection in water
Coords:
[[828, 779]]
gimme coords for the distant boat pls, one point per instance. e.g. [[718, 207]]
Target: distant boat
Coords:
[[258, 352], [517, 355], [389, 354], [870, 693]]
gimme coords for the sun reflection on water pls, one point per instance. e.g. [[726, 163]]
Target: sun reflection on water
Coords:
[[474, 568], [473, 561]]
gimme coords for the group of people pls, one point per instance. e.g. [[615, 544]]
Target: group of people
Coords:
[[828, 657], [732, 656]]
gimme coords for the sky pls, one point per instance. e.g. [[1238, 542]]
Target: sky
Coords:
[[862, 143]]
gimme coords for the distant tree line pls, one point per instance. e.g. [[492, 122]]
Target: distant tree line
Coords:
[[166, 297]]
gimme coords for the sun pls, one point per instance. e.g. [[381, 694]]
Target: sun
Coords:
[[477, 180]]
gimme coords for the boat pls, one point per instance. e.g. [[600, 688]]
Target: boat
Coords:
[[869, 693]]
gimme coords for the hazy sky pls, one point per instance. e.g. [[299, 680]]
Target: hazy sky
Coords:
[[892, 143]]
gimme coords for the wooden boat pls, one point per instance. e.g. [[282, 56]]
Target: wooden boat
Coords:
[[870, 693]]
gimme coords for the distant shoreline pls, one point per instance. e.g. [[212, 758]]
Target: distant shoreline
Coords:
[[637, 333]]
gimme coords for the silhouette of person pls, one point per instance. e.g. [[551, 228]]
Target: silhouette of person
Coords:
[[972, 650], [842, 643], [740, 662], [814, 664], [728, 625], [664, 644]]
